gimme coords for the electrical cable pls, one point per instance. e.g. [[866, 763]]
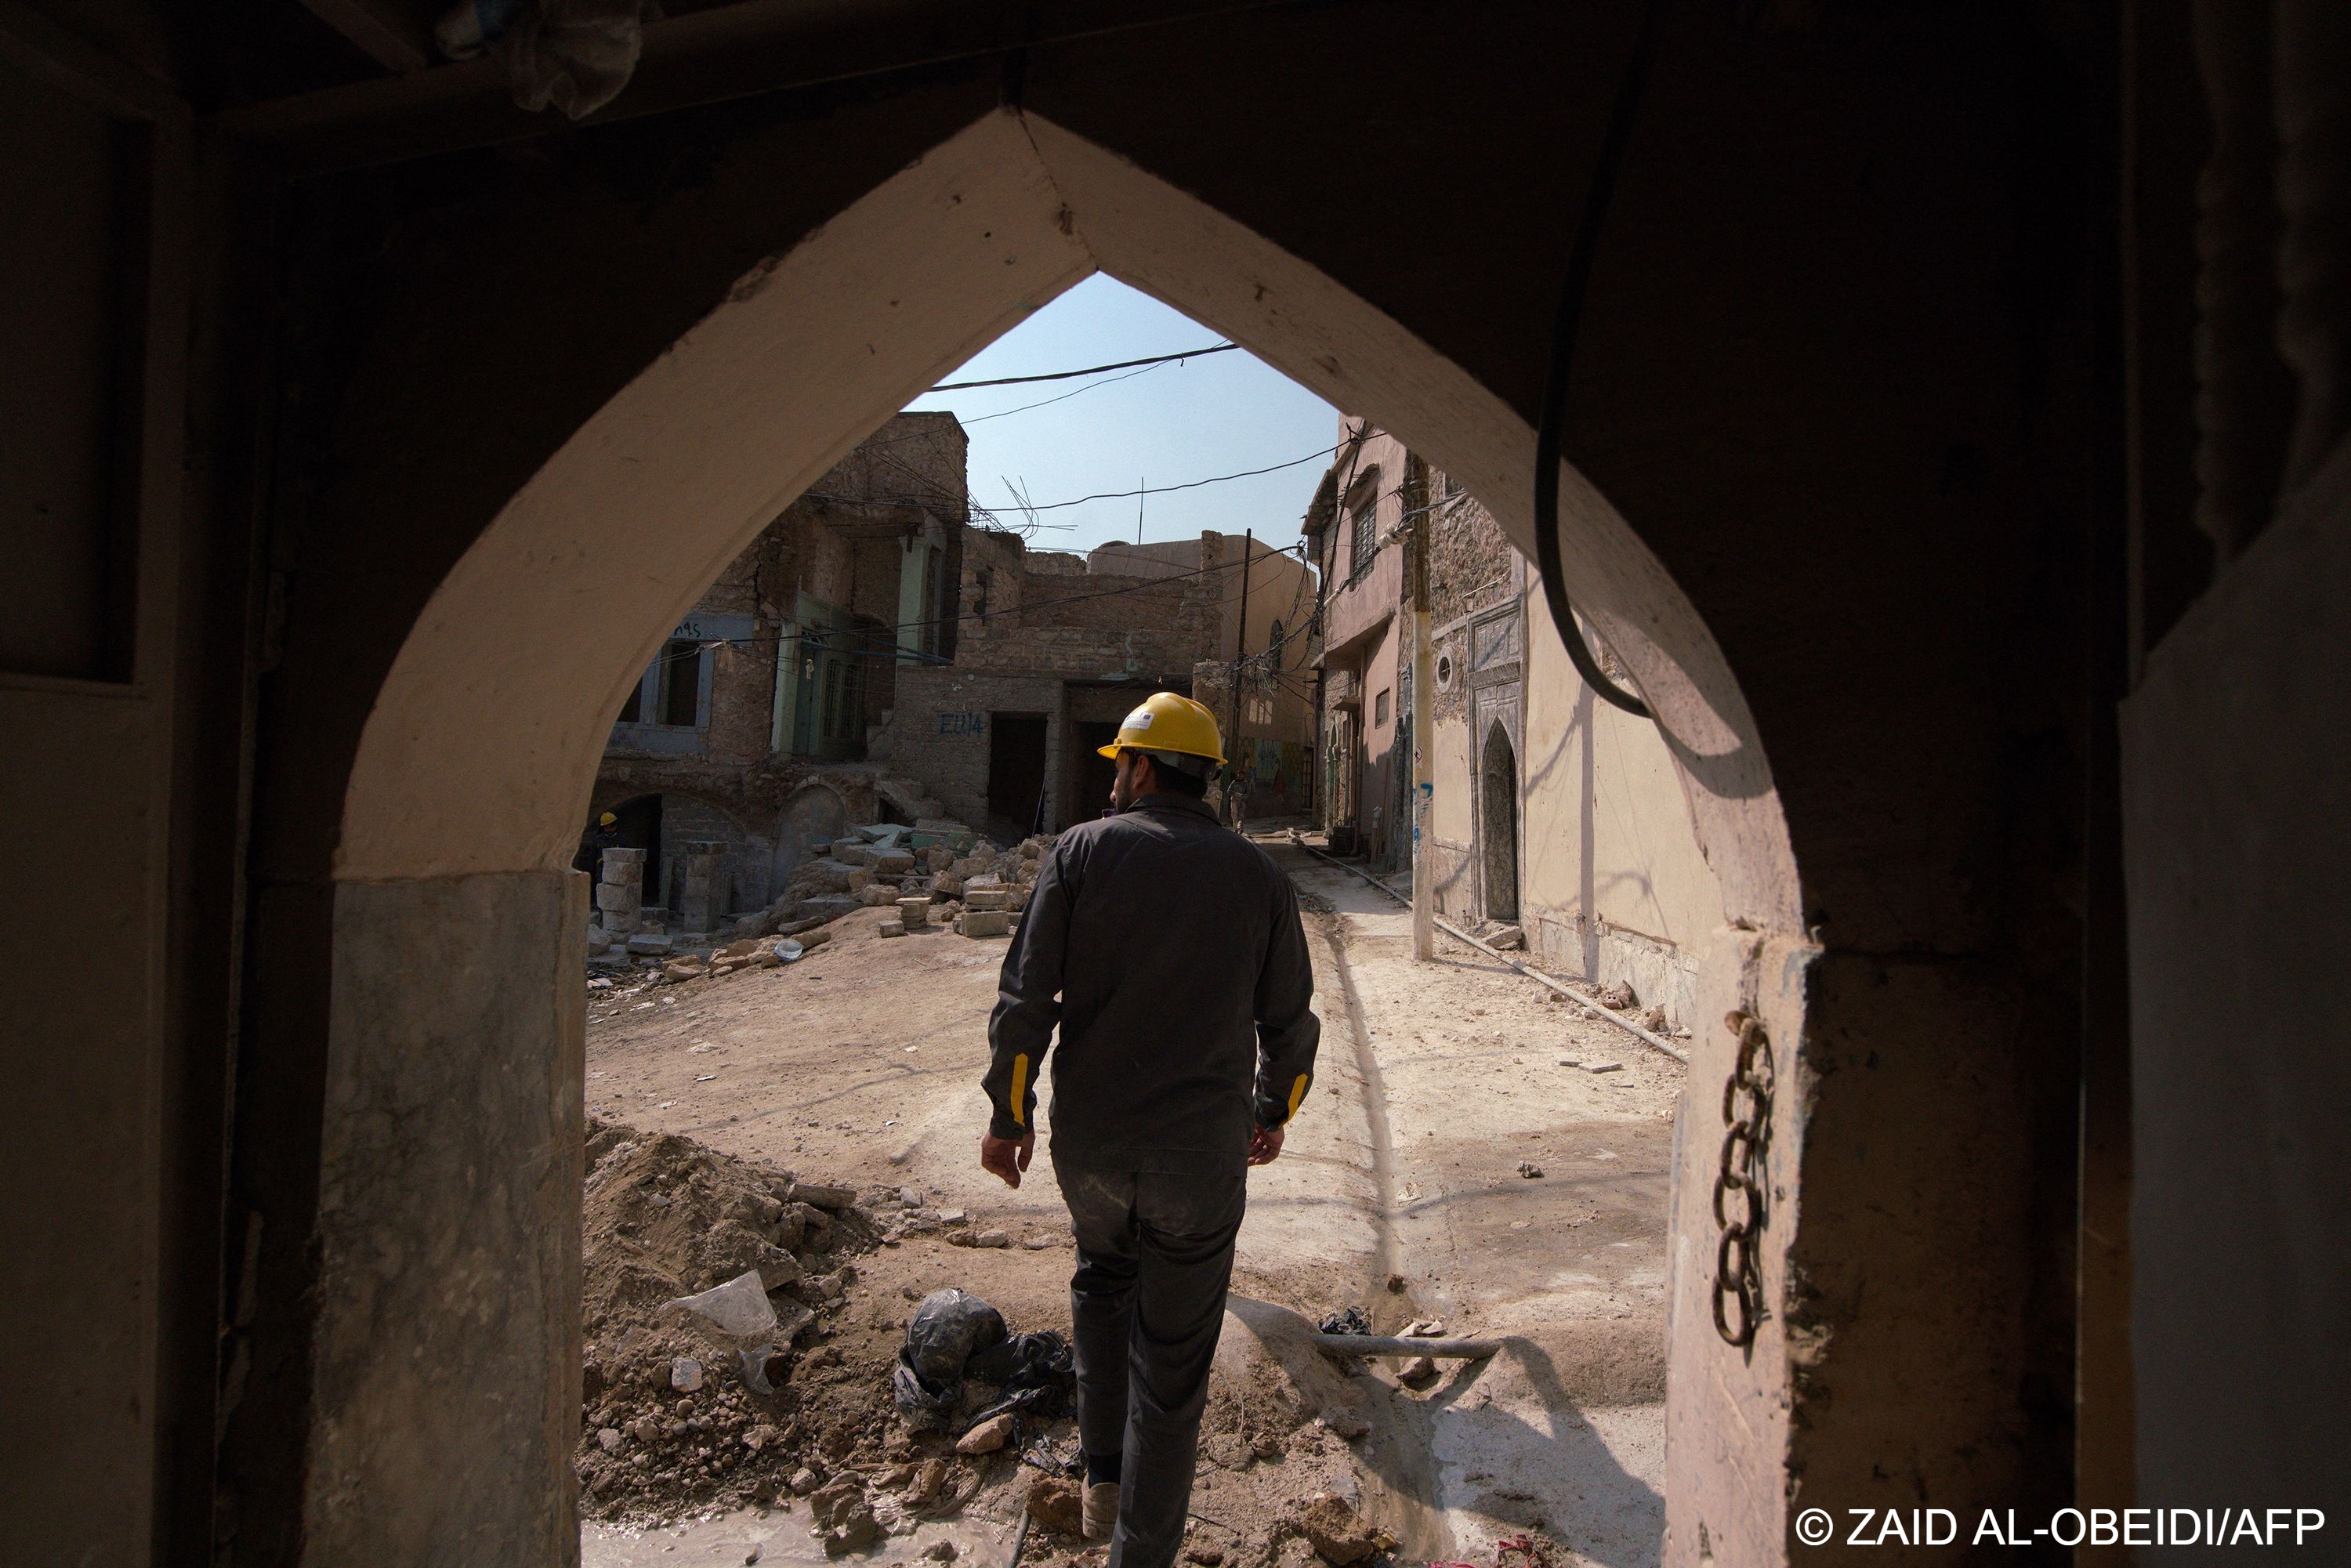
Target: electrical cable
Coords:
[[1024, 408], [1089, 371], [1319, 452], [1563, 357]]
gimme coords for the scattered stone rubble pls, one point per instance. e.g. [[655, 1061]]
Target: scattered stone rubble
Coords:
[[672, 1417], [679, 1420], [935, 875]]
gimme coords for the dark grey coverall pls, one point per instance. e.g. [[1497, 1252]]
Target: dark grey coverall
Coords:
[[1168, 951]]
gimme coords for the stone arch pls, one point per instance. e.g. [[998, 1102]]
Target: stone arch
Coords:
[[817, 810], [1498, 822], [811, 353], [480, 752]]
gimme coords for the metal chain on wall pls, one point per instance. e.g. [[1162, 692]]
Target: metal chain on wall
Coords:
[[1745, 1170]]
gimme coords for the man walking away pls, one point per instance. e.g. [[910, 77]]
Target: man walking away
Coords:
[[1168, 951]]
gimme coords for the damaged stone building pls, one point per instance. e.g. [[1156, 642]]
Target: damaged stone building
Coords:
[[1053, 649], [746, 737], [1549, 810]]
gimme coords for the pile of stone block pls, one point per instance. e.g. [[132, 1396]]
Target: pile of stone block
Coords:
[[939, 872], [701, 892], [619, 933]]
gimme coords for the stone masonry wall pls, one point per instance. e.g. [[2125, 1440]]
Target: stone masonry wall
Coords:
[[939, 731]]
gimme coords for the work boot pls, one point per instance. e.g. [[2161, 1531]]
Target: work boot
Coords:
[[1101, 1510]]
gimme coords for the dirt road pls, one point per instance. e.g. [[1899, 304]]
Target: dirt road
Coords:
[[1401, 1190]]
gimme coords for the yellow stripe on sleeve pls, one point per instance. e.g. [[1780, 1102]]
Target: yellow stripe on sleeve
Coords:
[[1020, 1088], [1297, 1092]]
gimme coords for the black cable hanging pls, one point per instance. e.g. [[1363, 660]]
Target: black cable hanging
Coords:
[[1562, 356]]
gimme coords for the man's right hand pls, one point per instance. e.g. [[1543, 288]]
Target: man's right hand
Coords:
[[1265, 1145], [1006, 1157]]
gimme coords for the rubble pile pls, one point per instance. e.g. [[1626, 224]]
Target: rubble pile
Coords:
[[673, 1412], [935, 872], [680, 1415]]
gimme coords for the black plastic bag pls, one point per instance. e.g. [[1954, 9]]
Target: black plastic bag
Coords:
[[1351, 1321], [943, 1334], [1033, 1371]]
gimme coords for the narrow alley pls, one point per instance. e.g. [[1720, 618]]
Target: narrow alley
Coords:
[[1479, 1157]]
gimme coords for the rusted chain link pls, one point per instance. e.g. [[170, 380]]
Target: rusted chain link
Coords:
[[1745, 1170]]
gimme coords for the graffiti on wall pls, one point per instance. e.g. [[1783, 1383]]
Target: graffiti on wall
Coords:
[[963, 724]]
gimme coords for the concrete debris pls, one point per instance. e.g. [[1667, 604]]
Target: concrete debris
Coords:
[[1529, 1170], [675, 1416], [835, 1199], [1509, 938], [988, 1437], [1616, 998], [975, 923], [929, 1476], [940, 1551], [914, 912], [1057, 1505], [1418, 1372], [1338, 1534], [1345, 1421], [1604, 1067], [891, 928]]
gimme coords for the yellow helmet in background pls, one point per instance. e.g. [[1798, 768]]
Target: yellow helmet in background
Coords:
[[1166, 722], [607, 821]]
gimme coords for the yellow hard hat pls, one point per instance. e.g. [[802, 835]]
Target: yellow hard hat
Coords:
[[607, 819], [1166, 722]]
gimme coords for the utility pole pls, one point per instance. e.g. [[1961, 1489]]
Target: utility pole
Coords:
[[1240, 650], [1424, 881]]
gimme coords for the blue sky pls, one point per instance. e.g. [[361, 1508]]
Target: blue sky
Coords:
[[1166, 425]]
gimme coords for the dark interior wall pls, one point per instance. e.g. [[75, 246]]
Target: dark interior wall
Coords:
[[1832, 376]]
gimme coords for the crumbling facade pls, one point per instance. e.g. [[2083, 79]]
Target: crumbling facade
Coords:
[[744, 743], [1054, 649], [1549, 810]]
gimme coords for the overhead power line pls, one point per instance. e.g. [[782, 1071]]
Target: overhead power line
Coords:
[[1316, 456], [1089, 371]]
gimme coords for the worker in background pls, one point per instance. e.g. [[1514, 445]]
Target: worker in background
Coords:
[[1169, 953], [604, 835]]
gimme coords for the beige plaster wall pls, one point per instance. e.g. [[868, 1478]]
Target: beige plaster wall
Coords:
[[1609, 837]]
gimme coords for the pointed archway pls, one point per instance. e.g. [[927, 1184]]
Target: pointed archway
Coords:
[[453, 1111], [1498, 823]]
